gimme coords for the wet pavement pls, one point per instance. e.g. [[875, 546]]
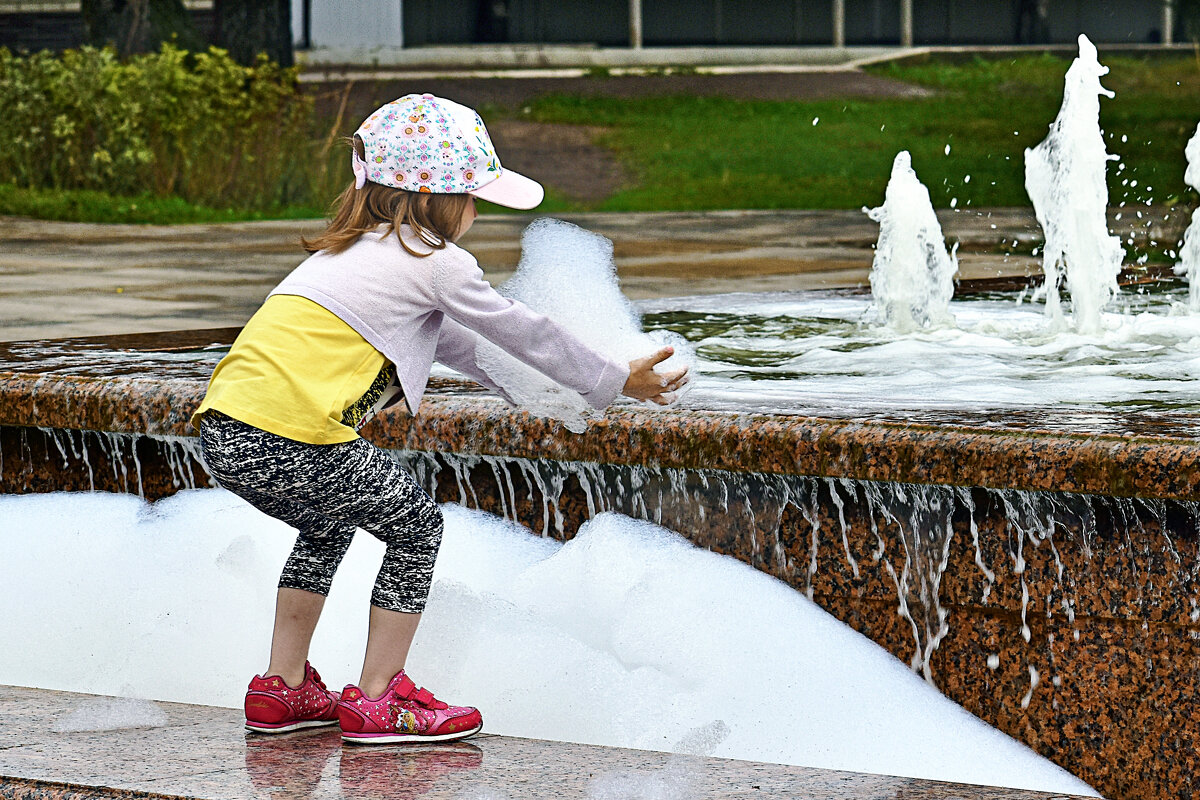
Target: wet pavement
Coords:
[[204, 752], [76, 279]]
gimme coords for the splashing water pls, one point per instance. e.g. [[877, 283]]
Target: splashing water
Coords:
[[1065, 179], [567, 273], [912, 276], [808, 353], [1189, 254]]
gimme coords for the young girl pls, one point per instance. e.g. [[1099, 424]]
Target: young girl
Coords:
[[354, 329]]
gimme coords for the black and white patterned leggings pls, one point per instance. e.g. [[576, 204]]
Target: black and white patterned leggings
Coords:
[[326, 492]]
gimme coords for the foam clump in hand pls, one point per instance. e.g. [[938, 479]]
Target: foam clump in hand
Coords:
[[111, 714], [567, 273]]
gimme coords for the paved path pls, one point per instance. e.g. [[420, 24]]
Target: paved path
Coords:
[[73, 279]]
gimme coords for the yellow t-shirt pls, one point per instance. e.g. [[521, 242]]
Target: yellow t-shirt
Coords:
[[298, 371]]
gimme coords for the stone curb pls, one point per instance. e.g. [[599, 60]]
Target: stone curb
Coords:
[[1121, 466]]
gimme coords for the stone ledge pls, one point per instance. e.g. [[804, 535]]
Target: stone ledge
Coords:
[[1121, 466]]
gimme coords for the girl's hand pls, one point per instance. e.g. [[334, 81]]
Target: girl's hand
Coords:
[[646, 384]]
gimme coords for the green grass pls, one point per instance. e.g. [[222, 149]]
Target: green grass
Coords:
[[713, 153], [697, 153]]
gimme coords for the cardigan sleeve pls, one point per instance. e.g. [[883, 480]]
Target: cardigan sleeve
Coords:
[[456, 349], [465, 297]]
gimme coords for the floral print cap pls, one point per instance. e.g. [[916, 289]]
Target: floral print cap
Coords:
[[423, 143]]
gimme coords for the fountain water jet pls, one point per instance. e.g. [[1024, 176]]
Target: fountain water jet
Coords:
[[912, 275], [1065, 179], [1189, 254]]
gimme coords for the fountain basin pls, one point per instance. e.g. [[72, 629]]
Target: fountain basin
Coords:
[[1039, 572], [149, 384]]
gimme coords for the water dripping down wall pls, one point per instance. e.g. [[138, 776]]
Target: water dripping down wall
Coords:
[[55, 459], [897, 561]]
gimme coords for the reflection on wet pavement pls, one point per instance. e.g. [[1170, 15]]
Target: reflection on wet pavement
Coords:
[[204, 752]]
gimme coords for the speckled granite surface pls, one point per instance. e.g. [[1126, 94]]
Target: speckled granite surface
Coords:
[[72, 384], [1071, 619], [204, 752]]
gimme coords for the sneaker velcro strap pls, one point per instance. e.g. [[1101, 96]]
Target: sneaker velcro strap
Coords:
[[405, 687], [424, 697]]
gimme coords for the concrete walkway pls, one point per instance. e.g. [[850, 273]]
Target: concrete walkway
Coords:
[[575, 60], [72, 279], [566, 60]]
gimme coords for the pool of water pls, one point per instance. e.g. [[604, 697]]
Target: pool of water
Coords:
[[1002, 364], [821, 353]]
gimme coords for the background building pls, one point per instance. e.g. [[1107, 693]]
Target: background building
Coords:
[[783, 22], [365, 24]]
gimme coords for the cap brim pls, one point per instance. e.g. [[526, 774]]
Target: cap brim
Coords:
[[512, 189]]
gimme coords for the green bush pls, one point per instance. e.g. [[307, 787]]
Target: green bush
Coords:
[[197, 126]]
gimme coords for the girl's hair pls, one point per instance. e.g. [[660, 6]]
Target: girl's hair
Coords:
[[434, 218]]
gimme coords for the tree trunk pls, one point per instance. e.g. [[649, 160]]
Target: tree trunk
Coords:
[[138, 26], [248, 27]]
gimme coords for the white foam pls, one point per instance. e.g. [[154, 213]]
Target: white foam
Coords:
[[808, 353], [568, 274], [626, 636]]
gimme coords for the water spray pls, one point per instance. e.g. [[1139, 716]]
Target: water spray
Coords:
[[1189, 254], [1065, 179], [912, 275]]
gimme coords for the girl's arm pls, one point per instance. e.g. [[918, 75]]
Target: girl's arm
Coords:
[[645, 383], [540, 342], [456, 349]]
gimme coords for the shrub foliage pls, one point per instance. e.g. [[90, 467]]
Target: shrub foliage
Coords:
[[197, 126]]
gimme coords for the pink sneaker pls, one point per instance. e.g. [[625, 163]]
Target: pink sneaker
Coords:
[[274, 707], [403, 713]]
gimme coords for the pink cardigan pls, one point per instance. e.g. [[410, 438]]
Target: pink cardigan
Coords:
[[418, 310]]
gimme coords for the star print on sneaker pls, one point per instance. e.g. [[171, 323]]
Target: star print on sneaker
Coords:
[[403, 713], [274, 707]]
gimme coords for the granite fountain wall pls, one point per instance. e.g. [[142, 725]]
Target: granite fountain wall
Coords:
[[1042, 575]]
